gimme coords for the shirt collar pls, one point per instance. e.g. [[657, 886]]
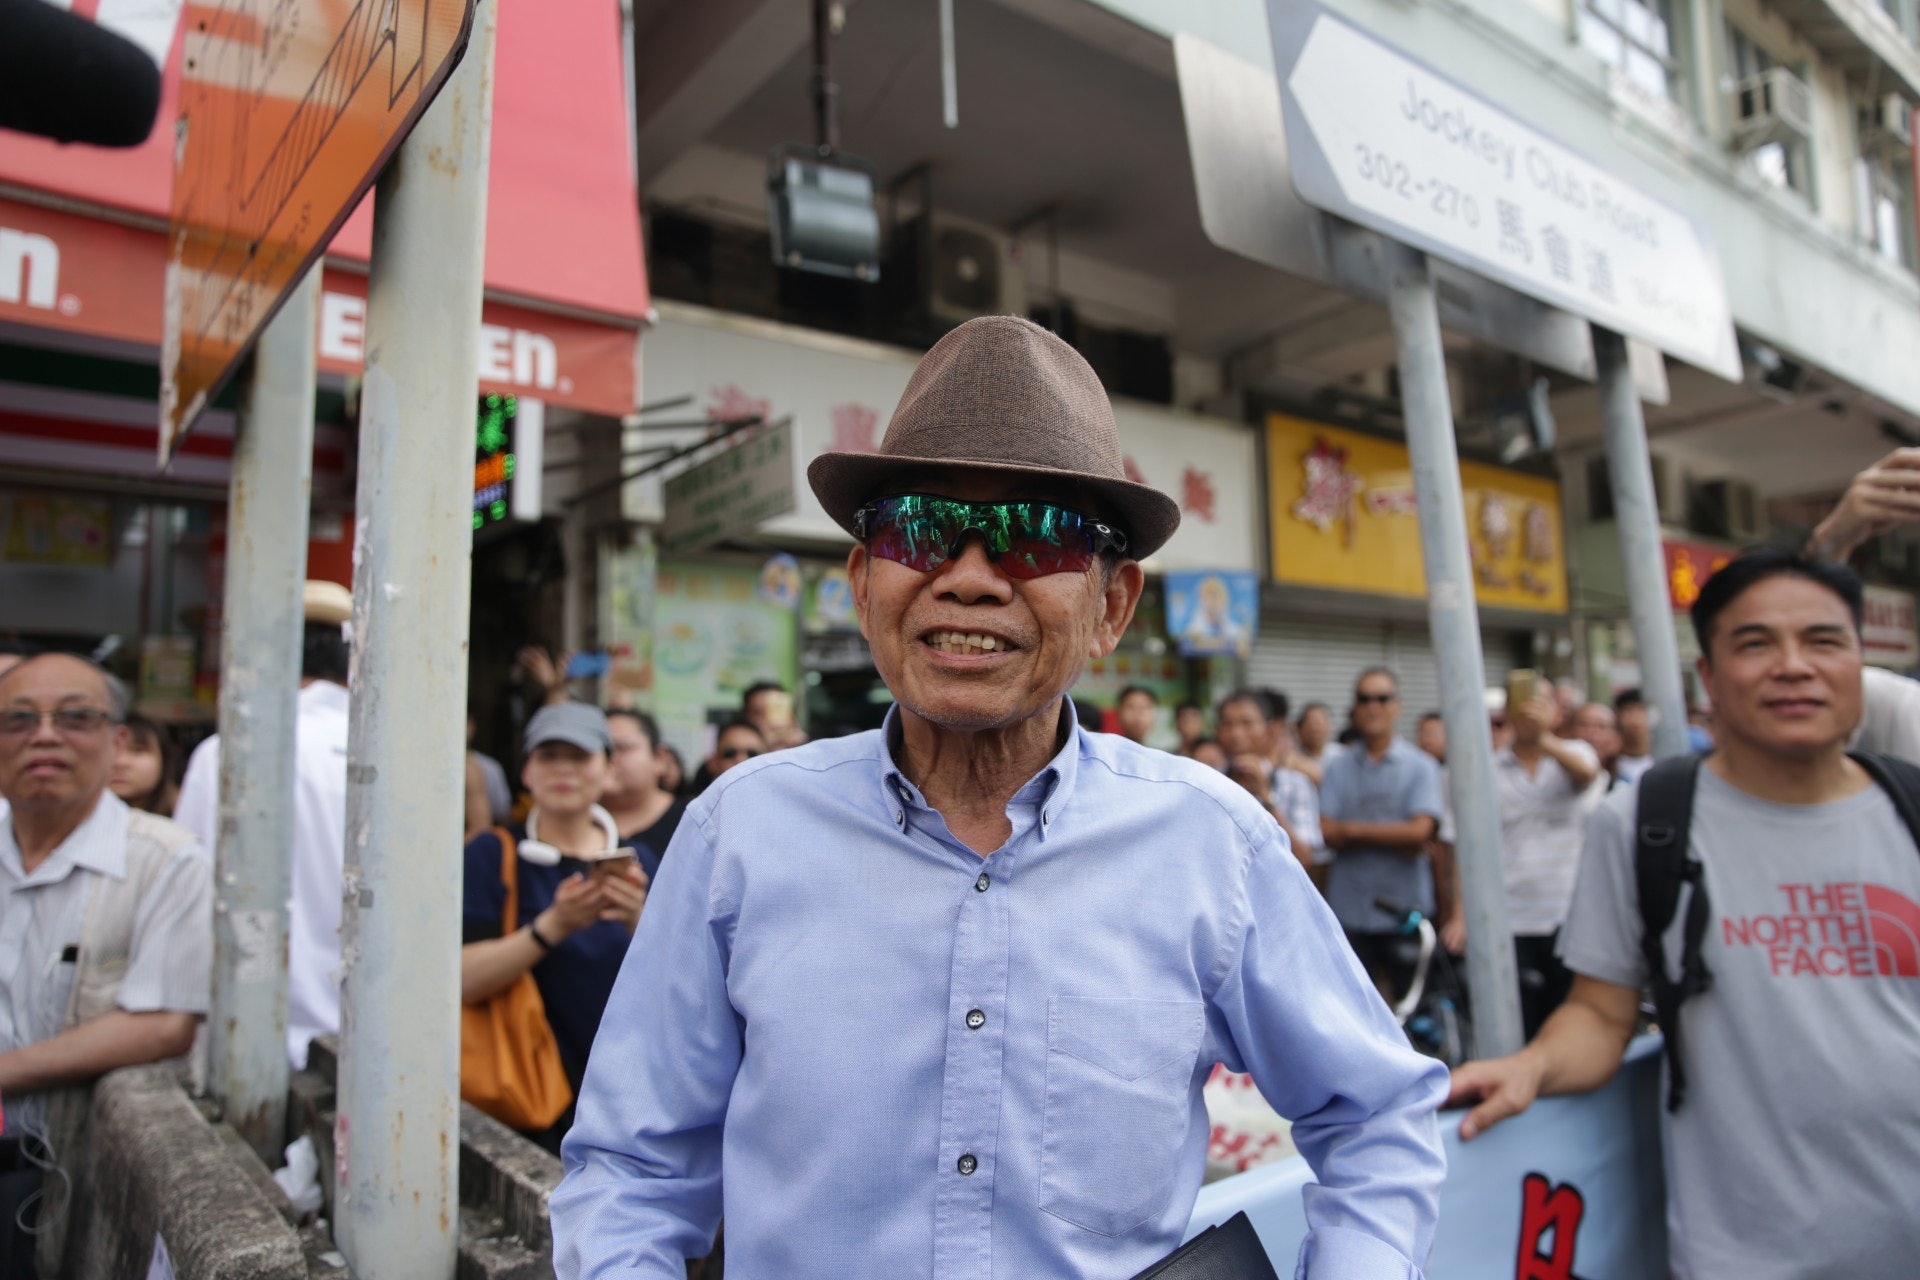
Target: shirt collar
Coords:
[[98, 844], [324, 694], [1049, 789]]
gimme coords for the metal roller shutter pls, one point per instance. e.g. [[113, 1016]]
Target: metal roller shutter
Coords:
[[1317, 662]]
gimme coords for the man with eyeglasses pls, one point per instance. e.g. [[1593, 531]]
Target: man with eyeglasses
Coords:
[[106, 929], [945, 993], [1380, 805]]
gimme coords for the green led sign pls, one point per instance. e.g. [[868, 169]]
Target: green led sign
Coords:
[[492, 463]]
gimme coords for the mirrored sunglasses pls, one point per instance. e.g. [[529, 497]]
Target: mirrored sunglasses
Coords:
[[1026, 539]]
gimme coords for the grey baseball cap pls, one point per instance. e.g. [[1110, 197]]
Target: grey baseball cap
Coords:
[[573, 722]]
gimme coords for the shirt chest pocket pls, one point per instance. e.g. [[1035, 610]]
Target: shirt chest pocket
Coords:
[[1119, 1074]]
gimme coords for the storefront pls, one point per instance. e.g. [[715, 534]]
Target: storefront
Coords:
[[102, 550], [714, 610], [1347, 584]]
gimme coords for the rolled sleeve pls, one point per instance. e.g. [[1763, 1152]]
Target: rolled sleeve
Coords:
[[1325, 1051], [170, 960], [1339, 1254], [641, 1193]]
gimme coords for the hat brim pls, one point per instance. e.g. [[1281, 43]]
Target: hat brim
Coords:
[[844, 482]]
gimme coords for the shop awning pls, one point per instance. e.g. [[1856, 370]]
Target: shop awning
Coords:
[[83, 246]]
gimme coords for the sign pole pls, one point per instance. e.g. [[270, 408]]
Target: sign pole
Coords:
[[1455, 623], [1638, 516], [397, 1139], [259, 680]]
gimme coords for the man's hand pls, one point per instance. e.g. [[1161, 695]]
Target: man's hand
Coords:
[[626, 895], [1453, 934], [1534, 719], [1503, 1087], [547, 670], [1880, 499]]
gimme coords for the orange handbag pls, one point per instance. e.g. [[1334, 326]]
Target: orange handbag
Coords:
[[509, 1061]]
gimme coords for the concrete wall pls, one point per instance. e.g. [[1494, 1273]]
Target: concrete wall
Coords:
[[154, 1167]]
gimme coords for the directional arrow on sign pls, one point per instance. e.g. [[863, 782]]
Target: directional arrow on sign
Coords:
[[1382, 139]]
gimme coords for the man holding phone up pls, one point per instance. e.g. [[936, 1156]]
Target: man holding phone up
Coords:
[[1543, 783]]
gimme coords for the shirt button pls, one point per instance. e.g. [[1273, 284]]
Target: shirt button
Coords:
[[967, 1165], [1046, 817], [898, 817], [975, 1019], [980, 885]]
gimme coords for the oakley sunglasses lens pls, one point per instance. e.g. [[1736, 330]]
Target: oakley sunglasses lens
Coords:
[[1026, 539]]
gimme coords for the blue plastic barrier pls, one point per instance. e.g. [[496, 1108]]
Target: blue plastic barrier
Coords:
[[1571, 1189]]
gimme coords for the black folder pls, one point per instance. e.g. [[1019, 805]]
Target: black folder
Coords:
[[1230, 1251]]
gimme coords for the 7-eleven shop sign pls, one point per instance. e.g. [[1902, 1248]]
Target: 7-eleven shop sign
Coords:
[[77, 274]]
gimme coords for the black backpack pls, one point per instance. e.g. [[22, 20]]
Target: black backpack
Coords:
[[1663, 861]]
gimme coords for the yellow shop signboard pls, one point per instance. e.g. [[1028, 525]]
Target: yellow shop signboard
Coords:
[[1343, 516]]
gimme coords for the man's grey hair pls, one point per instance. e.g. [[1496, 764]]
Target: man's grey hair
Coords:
[[119, 702]]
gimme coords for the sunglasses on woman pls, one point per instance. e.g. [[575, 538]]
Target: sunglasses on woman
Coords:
[[1026, 539]]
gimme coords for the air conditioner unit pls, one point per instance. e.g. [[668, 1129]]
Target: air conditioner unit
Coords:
[[1773, 106], [1669, 490], [1727, 509], [957, 269], [1886, 128]]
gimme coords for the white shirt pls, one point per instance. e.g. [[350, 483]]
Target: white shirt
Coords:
[[319, 847], [169, 958], [1890, 720], [1629, 768], [1542, 824]]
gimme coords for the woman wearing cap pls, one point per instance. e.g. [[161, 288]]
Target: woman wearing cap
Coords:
[[580, 889]]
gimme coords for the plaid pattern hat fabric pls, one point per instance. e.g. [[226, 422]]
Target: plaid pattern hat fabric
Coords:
[[1001, 394]]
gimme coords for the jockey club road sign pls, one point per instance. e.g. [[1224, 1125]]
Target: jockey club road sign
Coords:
[[1379, 138]]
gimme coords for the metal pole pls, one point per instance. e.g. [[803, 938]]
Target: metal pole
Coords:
[[397, 1139], [826, 94], [1455, 623], [259, 686], [949, 73], [1638, 516]]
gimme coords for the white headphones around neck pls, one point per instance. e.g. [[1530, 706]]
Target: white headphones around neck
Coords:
[[542, 854]]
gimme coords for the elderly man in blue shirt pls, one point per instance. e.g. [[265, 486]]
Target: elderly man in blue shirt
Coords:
[[938, 1000]]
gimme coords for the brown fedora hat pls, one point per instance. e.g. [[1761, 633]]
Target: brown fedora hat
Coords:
[[1001, 394]]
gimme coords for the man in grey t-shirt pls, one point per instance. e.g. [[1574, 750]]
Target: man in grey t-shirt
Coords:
[[1794, 1153], [1379, 806]]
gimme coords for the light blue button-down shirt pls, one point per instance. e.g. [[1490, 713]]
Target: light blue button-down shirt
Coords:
[[912, 1061]]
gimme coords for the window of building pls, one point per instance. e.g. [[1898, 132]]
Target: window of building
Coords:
[[1782, 159], [1635, 38], [1883, 189]]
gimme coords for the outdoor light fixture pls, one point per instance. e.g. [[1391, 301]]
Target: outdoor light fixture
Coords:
[[820, 210], [820, 202]]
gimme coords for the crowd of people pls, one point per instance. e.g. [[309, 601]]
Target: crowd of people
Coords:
[[945, 918]]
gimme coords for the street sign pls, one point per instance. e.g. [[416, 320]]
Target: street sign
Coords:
[[1241, 176], [1381, 139], [287, 113], [731, 492]]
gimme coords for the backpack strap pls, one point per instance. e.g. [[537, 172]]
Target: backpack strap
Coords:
[[1900, 779], [1662, 863], [510, 879]]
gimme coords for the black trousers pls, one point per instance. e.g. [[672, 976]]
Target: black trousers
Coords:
[[1544, 981], [19, 1183]]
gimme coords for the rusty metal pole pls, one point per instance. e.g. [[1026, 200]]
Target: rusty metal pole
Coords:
[[1638, 516], [397, 1140], [1453, 615], [259, 685]]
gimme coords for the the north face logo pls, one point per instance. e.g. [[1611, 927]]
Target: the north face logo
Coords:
[[1834, 931]]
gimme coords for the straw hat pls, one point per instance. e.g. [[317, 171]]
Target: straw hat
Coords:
[[1001, 394], [327, 603]]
